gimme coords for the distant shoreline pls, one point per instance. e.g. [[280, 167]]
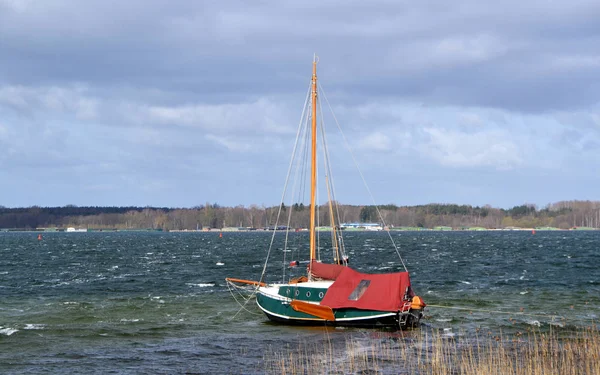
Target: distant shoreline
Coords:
[[561, 215], [302, 230]]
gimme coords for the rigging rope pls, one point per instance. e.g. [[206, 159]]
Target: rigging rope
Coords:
[[285, 187], [338, 246], [300, 169], [246, 300], [362, 177]]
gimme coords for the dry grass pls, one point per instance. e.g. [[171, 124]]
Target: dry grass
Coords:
[[434, 352]]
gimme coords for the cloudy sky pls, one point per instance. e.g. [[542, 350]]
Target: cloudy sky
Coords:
[[176, 104]]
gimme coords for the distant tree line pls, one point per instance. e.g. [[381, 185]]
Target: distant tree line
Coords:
[[564, 214]]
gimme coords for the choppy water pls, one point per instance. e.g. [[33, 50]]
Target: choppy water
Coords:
[[157, 302]]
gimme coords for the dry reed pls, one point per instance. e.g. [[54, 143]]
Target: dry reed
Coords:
[[439, 353]]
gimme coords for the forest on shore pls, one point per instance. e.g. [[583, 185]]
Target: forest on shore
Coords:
[[562, 215]]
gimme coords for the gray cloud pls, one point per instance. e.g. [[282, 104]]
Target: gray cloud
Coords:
[[523, 57], [135, 99]]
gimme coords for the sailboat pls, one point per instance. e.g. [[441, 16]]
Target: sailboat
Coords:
[[333, 293]]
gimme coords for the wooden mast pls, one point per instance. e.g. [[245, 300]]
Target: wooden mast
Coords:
[[332, 223], [313, 175]]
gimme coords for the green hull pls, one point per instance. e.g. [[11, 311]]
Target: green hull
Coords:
[[277, 308]]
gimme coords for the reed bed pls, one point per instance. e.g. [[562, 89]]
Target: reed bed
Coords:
[[438, 353]]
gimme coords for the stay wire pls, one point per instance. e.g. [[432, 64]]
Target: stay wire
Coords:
[[363, 178], [285, 186]]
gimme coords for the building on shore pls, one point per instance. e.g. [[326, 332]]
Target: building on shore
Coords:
[[364, 226]]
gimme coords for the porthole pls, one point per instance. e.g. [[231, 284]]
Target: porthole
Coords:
[[287, 291], [321, 295], [307, 294], [297, 293]]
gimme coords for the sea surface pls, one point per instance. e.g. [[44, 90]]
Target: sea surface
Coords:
[[157, 303]]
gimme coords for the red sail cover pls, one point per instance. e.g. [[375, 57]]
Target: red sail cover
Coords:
[[381, 292], [325, 271]]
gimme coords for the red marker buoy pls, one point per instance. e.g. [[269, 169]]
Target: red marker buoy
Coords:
[[40, 237], [220, 235]]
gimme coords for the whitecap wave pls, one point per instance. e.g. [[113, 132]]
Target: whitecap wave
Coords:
[[448, 333], [201, 285], [34, 326], [158, 299], [7, 331]]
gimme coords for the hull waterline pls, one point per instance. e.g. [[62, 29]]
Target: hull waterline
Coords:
[[279, 309]]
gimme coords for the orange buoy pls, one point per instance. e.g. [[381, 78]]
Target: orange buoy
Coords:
[[533, 231], [220, 235], [417, 303], [40, 237]]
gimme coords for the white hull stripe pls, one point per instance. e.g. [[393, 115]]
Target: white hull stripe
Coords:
[[323, 320]]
